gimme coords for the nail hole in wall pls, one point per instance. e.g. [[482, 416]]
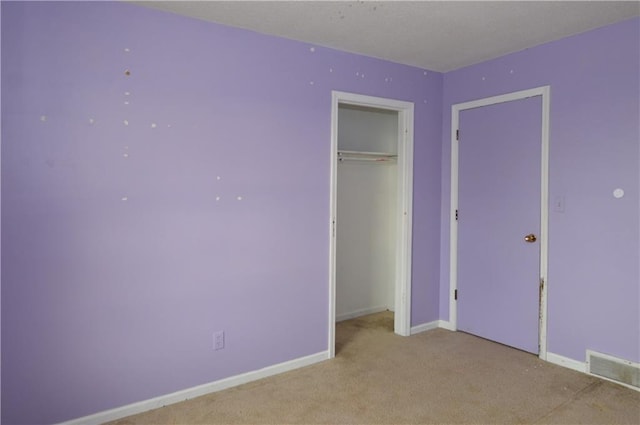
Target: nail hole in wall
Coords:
[[127, 72], [618, 193]]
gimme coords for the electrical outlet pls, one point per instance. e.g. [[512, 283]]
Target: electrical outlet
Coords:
[[218, 340]]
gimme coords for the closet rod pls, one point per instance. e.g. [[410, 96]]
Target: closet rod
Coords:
[[378, 159], [366, 154]]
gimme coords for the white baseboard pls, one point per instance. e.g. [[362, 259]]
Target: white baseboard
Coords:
[[566, 362], [431, 325], [358, 313], [425, 327], [189, 393], [445, 324]]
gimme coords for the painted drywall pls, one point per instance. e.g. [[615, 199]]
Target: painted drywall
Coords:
[[143, 212], [593, 282], [367, 130], [366, 213]]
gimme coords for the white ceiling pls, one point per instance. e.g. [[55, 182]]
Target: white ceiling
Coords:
[[436, 35]]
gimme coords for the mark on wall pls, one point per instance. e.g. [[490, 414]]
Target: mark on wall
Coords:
[[618, 193], [43, 118]]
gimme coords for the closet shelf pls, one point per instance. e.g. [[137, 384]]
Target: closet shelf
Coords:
[[366, 156]]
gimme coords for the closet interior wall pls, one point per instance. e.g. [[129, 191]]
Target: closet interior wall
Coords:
[[367, 196]]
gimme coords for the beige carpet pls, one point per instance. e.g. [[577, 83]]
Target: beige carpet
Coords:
[[437, 377]]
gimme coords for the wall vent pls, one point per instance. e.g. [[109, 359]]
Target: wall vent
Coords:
[[612, 368]]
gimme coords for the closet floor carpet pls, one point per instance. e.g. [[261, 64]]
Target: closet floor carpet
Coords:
[[436, 377]]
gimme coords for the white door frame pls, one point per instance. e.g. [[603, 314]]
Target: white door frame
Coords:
[[545, 92], [402, 324]]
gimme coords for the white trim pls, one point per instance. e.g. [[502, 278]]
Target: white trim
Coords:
[[402, 321], [545, 92], [359, 313], [200, 390], [566, 362], [442, 324], [402, 325], [544, 219], [445, 324]]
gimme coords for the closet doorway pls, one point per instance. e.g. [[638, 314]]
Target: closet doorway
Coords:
[[371, 199]]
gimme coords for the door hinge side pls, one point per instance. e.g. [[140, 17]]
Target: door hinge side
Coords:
[[333, 230], [455, 294], [457, 134], [456, 215]]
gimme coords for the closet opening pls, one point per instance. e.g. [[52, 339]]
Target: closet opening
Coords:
[[371, 191]]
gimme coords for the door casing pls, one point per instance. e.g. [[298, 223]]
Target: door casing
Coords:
[[545, 93], [402, 322]]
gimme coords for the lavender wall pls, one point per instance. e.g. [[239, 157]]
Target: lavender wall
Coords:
[[594, 283], [118, 258]]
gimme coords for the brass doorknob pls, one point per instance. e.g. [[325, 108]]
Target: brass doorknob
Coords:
[[531, 238]]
